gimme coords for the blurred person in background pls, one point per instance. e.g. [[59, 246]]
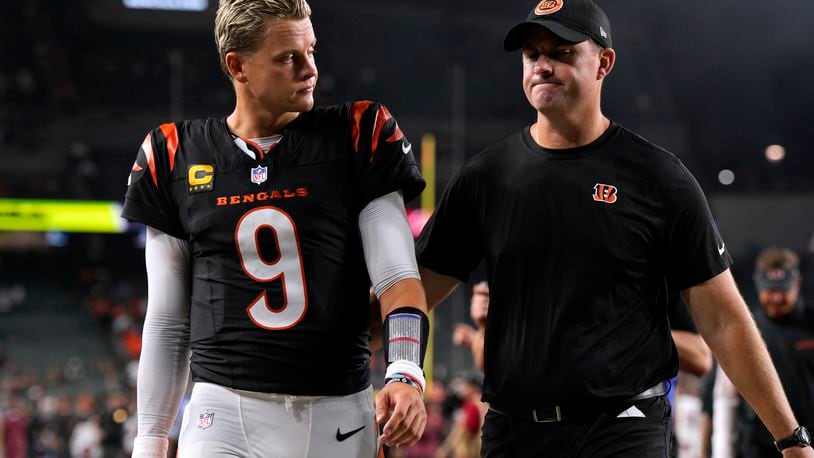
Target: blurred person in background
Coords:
[[584, 227], [86, 439], [465, 335], [463, 439], [15, 430], [787, 325], [265, 231]]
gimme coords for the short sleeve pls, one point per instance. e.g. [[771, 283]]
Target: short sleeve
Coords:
[[696, 250], [149, 194], [452, 243], [383, 156], [679, 315]]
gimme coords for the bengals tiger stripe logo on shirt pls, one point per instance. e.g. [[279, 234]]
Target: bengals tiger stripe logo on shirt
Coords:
[[605, 193]]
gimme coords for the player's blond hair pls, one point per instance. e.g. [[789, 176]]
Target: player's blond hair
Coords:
[[240, 24]]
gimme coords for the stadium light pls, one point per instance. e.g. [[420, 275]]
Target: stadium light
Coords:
[[168, 5]]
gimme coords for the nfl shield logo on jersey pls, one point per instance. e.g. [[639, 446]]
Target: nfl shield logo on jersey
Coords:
[[259, 174], [205, 419]]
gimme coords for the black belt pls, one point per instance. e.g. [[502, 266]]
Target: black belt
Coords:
[[559, 413]]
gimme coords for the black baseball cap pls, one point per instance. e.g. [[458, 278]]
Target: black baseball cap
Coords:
[[572, 20], [776, 278]]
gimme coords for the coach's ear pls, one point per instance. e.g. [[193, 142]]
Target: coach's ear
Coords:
[[607, 57], [236, 64]]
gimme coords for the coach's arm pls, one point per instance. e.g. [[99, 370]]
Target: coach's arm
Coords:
[[724, 321]]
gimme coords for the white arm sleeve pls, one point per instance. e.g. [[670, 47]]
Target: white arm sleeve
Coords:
[[164, 363], [387, 242]]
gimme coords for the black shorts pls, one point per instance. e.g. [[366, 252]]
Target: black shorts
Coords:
[[644, 433]]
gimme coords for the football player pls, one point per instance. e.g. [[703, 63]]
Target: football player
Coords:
[[265, 230]]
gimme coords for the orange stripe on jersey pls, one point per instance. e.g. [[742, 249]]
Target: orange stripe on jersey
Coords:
[[356, 112], [256, 146], [171, 134], [397, 135], [147, 146], [382, 116]]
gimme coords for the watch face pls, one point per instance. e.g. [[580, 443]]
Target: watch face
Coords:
[[805, 436]]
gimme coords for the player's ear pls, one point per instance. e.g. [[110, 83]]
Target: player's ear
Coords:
[[607, 57], [236, 63]]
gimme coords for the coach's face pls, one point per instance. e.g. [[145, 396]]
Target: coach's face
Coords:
[[559, 75], [282, 73]]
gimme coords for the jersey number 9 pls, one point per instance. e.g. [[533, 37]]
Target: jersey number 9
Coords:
[[287, 267]]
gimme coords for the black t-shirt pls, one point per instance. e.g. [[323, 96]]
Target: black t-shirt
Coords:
[[279, 284], [581, 246], [679, 315], [790, 342]]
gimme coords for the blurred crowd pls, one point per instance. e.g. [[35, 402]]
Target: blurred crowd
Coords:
[[85, 405]]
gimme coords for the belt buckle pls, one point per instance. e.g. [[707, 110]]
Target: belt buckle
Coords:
[[553, 420]]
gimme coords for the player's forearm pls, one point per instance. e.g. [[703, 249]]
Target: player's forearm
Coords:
[[164, 361], [405, 293], [162, 376]]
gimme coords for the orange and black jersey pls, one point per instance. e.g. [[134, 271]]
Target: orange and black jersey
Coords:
[[279, 284], [583, 248]]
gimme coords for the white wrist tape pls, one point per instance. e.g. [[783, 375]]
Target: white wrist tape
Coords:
[[408, 369]]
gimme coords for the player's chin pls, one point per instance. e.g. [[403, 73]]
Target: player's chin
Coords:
[[303, 102]]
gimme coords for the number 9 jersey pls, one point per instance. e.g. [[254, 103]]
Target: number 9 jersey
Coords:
[[279, 284]]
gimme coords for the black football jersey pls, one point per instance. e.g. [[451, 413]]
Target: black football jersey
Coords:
[[279, 284]]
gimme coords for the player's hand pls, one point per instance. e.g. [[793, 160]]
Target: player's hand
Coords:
[[150, 447], [400, 407], [462, 335]]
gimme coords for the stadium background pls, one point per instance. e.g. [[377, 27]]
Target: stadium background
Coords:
[[82, 81]]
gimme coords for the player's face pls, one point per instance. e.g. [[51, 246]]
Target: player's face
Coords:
[[282, 73], [559, 75], [778, 303]]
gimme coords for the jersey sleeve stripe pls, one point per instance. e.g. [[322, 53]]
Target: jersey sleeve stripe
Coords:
[[147, 146], [356, 112], [383, 116], [171, 134]]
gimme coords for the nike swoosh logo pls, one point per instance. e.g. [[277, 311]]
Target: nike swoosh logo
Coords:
[[342, 436], [406, 147], [137, 168], [721, 248]]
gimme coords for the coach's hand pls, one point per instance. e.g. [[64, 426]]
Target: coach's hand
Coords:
[[400, 407]]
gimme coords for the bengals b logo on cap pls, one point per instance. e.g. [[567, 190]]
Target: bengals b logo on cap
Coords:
[[605, 193], [548, 7]]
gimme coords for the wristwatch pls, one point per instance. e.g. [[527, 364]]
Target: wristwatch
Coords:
[[799, 438]]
